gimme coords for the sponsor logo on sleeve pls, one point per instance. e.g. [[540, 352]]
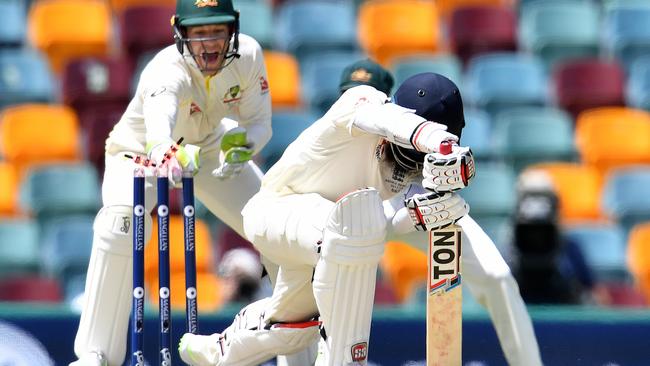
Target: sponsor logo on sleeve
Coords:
[[264, 85]]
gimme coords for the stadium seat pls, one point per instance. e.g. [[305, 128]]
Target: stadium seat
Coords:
[[582, 84], [505, 79], [638, 84], [24, 77], [578, 187], [19, 247], [146, 28], [8, 189], [66, 246], [119, 6], [444, 64], [528, 135], [27, 138], [256, 20], [30, 289], [284, 79], [477, 134], [404, 269], [394, 28], [12, 28], [208, 285], [446, 8], [560, 30], [603, 247], [475, 30], [65, 29], [320, 77], [611, 137], [305, 28], [626, 35], [638, 257], [287, 125], [626, 195], [52, 190]]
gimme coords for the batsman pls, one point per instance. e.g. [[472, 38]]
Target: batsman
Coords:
[[325, 211]]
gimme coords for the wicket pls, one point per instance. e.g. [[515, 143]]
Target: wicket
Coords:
[[164, 304]]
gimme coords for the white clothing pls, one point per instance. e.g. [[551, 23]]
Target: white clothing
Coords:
[[337, 155]]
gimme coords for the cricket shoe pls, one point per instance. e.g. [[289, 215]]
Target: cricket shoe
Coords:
[[200, 350], [91, 359]]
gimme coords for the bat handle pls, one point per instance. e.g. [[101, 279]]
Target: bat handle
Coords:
[[445, 147]]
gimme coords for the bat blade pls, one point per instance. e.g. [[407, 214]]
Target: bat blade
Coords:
[[444, 298]]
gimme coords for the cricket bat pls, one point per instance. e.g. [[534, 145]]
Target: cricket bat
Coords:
[[444, 294]]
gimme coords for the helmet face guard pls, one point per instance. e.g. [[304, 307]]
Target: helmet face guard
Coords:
[[227, 54], [408, 159]]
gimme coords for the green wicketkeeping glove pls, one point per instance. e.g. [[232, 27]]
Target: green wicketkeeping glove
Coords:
[[236, 150]]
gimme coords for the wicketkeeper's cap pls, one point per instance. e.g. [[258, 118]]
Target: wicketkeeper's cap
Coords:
[[366, 72]]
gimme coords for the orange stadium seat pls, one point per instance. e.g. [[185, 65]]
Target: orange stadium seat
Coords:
[[404, 268], [118, 6], [284, 78], [638, 257], [578, 187], [39, 133], [446, 8], [65, 29], [611, 137], [392, 28], [8, 189], [208, 285]]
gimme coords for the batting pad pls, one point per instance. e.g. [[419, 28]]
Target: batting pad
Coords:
[[105, 317], [344, 279]]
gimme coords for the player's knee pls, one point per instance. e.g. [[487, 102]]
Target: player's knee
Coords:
[[113, 226]]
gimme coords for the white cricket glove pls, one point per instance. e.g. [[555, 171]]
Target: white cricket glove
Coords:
[[448, 173], [177, 159], [433, 211], [236, 151]]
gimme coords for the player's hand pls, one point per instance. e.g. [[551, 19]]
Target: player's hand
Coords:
[[236, 151], [433, 211], [448, 173], [176, 158]]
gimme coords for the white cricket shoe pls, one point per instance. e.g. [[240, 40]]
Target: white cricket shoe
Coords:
[[200, 350], [91, 359]]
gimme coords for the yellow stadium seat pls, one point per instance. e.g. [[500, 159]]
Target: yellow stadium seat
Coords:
[[447, 7], [388, 29], [39, 133], [404, 268], [209, 286], [118, 6], [284, 78], [638, 257], [8, 189], [578, 187], [66, 29], [612, 137]]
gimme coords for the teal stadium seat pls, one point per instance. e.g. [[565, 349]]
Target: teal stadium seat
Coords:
[[626, 195], [559, 30], [305, 28], [320, 77], [603, 247], [626, 33], [529, 135], [638, 84], [53, 190], [503, 80], [477, 134], [19, 246], [66, 246], [24, 77], [448, 65], [13, 26], [287, 125], [256, 20], [491, 198]]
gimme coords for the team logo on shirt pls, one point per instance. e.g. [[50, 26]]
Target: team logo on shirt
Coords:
[[264, 85], [361, 75], [232, 95], [204, 3]]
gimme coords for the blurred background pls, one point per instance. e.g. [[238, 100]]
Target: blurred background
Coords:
[[557, 94]]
